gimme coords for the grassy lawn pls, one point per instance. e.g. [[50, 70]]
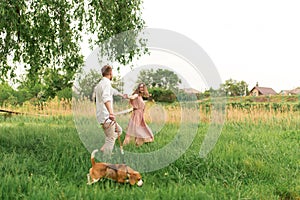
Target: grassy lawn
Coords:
[[44, 158]]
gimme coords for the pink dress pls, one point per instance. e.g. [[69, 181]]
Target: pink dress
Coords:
[[137, 129]]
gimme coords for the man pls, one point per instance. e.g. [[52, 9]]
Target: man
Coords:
[[104, 109]]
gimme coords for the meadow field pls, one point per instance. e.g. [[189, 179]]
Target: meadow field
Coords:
[[256, 157]]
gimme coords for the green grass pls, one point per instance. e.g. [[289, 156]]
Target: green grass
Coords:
[[44, 158]]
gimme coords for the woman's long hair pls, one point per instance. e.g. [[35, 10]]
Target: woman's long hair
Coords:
[[137, 90]]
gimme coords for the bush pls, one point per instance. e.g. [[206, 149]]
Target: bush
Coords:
[[162, 95], [6, 94], [65, 93]]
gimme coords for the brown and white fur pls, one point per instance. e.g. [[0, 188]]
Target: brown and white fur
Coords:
[[117, 172]]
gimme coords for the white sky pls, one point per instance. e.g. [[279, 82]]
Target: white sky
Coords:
[[253, 41]]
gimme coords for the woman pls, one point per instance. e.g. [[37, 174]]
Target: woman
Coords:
[[137, 128]]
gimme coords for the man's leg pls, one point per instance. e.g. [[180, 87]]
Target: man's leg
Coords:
[[112, 132], [109, 131]]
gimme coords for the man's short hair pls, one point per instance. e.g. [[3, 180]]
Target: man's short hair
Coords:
[[106, 69]]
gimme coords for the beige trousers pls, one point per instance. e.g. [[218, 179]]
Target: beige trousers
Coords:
[[111, 131]]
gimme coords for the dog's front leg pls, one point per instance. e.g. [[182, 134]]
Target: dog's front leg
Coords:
[[95, 180], [89, 179]]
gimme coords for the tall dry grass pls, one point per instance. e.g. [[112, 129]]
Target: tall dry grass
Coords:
[[53, 107], [257, 114], [254, 114], [172, 113]]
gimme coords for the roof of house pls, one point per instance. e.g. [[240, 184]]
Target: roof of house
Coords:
[[264, 90], [191, 90], [295, 91]]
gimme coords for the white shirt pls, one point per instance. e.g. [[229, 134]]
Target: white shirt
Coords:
[[104, 93]]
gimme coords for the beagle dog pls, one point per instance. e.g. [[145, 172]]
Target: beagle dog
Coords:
[[117, 172]]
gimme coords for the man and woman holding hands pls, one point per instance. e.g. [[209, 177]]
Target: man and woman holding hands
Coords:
[[137, 130]]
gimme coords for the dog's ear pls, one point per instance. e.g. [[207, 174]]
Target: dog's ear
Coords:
[[132, 178]]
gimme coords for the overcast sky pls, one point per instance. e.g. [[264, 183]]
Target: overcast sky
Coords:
[[253, 41]]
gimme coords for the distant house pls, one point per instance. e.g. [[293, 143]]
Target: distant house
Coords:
[[191, 91], [295, 91], [258, 91]]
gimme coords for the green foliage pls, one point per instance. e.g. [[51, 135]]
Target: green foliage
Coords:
[[211, 93], [87, 83], [204, 95], [65, 93], [40, 35], [44, 37], [107, 19], [162, 78], [35, 94], [234, 88], [162, 95], [6, 93], [117, 83], [267, 106], [23, 95], [53, 83]]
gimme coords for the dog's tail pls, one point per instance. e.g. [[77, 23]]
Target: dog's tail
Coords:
[[93, 157]]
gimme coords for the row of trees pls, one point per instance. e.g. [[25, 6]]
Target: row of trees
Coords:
[[35, 95], [163, 85]]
